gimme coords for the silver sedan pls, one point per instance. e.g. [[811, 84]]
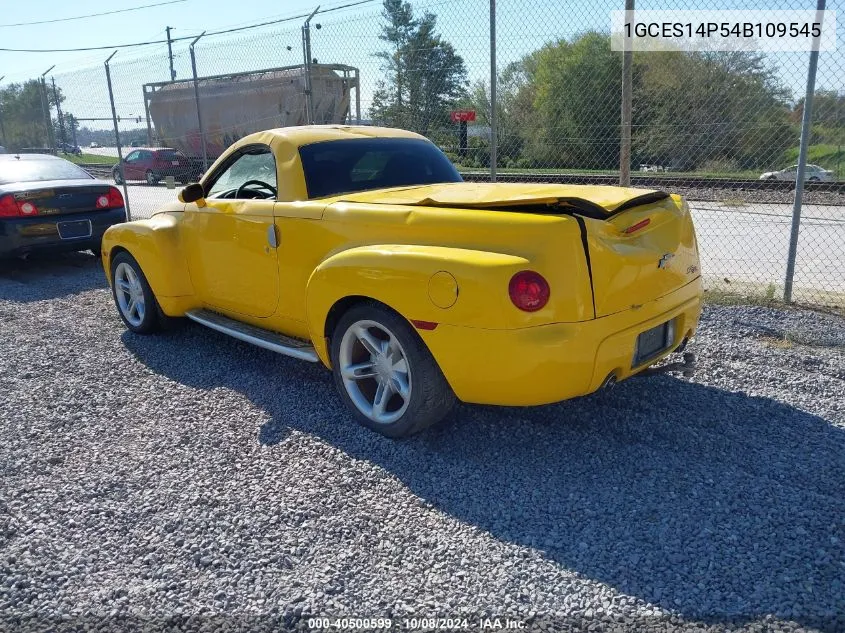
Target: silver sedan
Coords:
[[813, 173]]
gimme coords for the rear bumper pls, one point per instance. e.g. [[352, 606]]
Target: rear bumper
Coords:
[[176, 172], [19, 236], [550, 363]]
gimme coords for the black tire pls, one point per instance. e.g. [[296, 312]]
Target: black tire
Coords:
[[118, 176], [151, 321], [431, 398], [814, 179], [150, 177]]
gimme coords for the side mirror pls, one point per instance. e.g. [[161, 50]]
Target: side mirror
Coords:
[[192, 193]]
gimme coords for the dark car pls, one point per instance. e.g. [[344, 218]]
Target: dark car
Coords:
[[152, 165], [69, 148], [50, 204]]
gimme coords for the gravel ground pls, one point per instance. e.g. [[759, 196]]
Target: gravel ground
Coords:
[[190, 481]]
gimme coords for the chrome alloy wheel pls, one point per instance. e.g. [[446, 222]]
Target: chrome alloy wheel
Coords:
[[129, 293], [375, 371]]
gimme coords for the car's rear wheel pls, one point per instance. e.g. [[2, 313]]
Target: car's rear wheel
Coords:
[[385, 374], [151, 178], [133, 296]]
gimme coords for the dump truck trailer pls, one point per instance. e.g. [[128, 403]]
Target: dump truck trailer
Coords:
[[236, 104]]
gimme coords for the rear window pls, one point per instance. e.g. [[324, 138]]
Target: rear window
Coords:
[[349, 165], [24, 170], [170, 154]]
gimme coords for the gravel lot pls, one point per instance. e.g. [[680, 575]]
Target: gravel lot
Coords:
[[192, 481]]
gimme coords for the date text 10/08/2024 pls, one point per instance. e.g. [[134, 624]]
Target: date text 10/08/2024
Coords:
[[416, 624]]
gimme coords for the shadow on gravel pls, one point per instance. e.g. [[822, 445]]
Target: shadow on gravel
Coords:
[[68, 274], [717, 505]]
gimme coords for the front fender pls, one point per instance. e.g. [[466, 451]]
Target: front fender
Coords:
[[155, 244], [403, 277]]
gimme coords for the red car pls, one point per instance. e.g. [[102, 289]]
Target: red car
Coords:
[[153, 165]]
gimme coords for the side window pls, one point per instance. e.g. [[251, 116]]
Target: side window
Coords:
[[255, 165]]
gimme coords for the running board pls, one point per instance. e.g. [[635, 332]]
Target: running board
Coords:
[[273, 341]]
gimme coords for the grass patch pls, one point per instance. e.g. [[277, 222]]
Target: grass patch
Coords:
[[771, 296], [742, 297], [90, 158], [777, 342]]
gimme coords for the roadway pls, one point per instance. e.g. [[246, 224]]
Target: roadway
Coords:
[[744, 244]]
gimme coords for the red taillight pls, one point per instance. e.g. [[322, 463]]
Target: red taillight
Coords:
[[8, 207], [115, 199], [11, 208], [529, 291]]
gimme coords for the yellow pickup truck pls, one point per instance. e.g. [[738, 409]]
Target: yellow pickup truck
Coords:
[[361, 248]]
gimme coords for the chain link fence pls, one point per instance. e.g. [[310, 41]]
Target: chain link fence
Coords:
[[720, 128]]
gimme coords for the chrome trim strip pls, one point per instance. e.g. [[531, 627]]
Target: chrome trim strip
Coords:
[[305, 353]]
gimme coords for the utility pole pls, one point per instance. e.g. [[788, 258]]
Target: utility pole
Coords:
[[170, 55], [59, 111]]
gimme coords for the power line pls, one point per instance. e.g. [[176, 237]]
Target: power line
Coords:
[[176, 39], [91, 15]]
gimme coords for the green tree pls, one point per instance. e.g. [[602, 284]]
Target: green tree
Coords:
[[424, 75], [514, 114], [23, 115], [576, 103], [734, 113], [690, 110]]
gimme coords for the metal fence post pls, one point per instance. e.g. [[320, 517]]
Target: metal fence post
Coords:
[[197, 97], [147, 113], [170, 55], [117, 138], [357, 97], [494, 132], [806, 123], [45, 106], [306, 53], [59, 111], [627, 98]]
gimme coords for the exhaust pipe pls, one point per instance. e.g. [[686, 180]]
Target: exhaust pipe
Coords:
[[609, 382]]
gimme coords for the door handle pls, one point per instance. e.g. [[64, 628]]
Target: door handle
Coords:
[[272, 236]]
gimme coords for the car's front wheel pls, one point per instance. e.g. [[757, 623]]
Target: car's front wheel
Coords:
[[118, 176], [385, 373], [133, 296], [151, 178]]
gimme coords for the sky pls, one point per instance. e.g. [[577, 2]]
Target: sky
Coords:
[[348, 36]]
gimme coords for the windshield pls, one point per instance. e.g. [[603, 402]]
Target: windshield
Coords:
[[349, 165], [26, 170]]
